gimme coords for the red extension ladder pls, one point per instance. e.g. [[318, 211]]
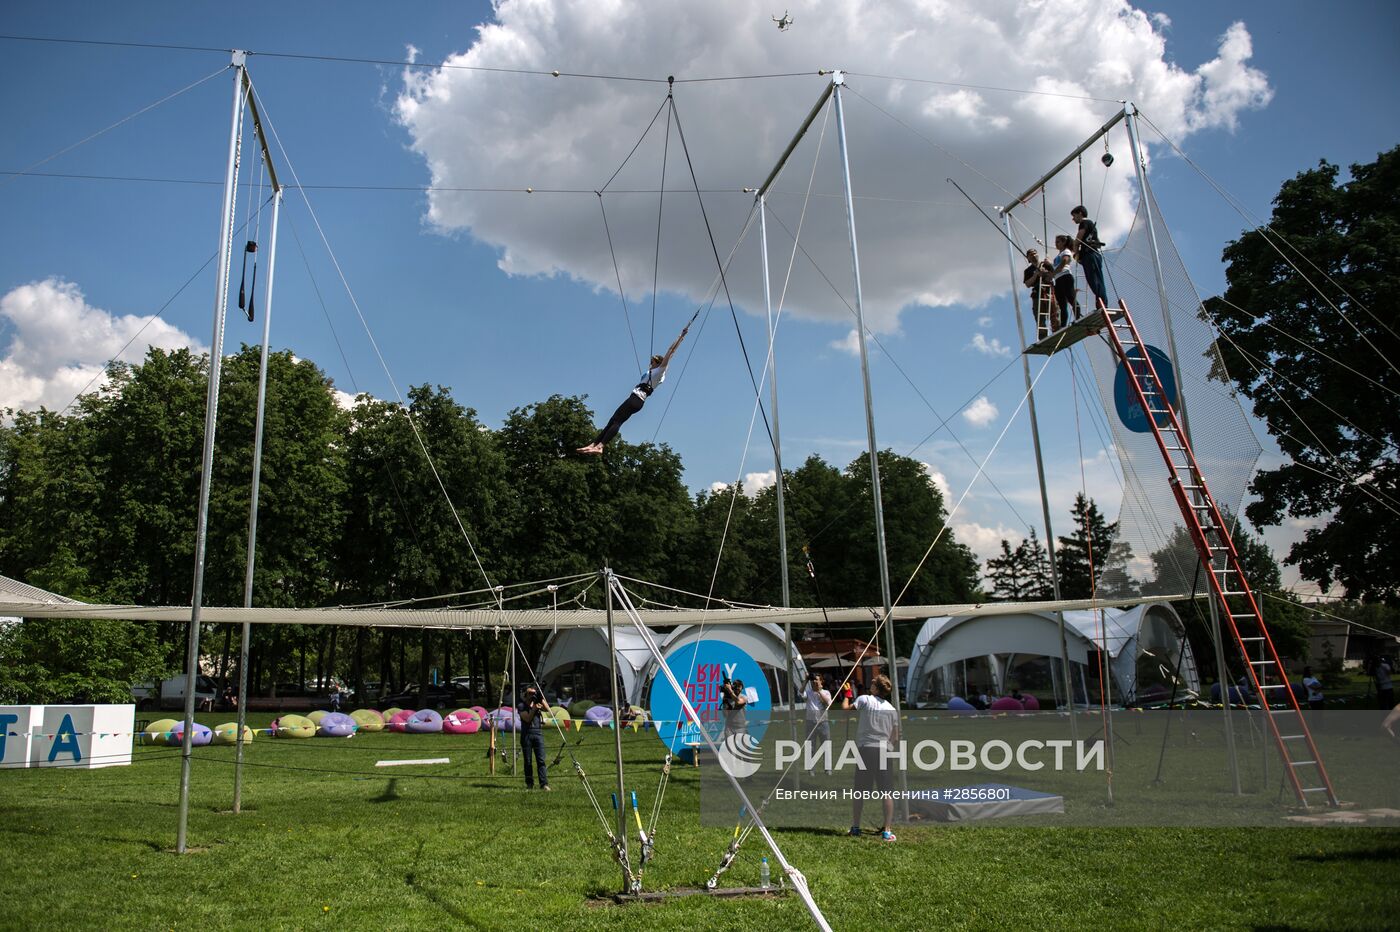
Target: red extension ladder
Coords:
[[1206, 525]]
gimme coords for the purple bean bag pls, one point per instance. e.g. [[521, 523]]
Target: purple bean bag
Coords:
[[1007, 704], [504, 719], [462, 722], [426, 722], [400, 720], [336, 725], [599, 715], [959, 704], [202, 734], [1031, 703]]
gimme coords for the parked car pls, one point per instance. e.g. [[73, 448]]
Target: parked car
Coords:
[[438, 697], [170, 693]]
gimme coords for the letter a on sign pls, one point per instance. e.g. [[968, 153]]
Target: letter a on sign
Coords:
[[66, 741]]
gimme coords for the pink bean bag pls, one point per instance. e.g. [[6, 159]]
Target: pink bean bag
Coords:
[[1031, 703], [462, 722], [481, 712], [1007, 704], [399, 722]]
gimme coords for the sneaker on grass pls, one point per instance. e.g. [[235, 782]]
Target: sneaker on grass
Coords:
[[887, 835]]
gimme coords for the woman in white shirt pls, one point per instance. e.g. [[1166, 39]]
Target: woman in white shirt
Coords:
[[876, 730], [654, 376], [1064, 279]]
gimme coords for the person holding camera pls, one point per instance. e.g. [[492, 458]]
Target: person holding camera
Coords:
[[531, 712], [817, 701], [732, 703]]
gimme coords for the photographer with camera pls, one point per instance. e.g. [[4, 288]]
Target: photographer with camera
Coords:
[[732, 703], [531, 712]]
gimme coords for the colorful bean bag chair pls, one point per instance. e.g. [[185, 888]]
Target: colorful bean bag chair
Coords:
[[293, 726], [959, 704], [158, 732], [1031, 703], [481, 711], [599, 715], [317, 716], [462, 722], [336, 725], [1007, 704], [203, 734], [389, 713], [426, 722], [399, 718], [504, 719], [227, 733], [368, 720], [579, 708], [558, 715]]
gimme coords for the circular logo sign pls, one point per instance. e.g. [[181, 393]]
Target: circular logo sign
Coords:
[[1125, 400], [701, 667]]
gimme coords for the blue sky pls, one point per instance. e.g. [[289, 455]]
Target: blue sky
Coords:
[[456, 297]]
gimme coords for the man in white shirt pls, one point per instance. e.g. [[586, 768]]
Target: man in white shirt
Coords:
[[818, 731], [876, 729], [1314, 689], [1385, 689]]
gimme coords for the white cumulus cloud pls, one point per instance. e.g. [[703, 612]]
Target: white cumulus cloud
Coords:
[[981, 412], [488, 129], [940, 482], [992, 347], [59, 343], [985, 541], [850, 343]]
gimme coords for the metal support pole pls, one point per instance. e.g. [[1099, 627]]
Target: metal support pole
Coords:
[[777, 454], [1135, 144], [1012, 259], [837, 80], [514, 703], [616, 726], [211, 407], [253, 509]]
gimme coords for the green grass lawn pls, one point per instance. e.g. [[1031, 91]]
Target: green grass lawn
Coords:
[[327, 841]]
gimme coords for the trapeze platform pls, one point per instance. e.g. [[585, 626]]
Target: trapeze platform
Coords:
[[1081, 329]]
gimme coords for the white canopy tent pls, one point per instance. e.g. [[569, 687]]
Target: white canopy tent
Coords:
[[1145, 646]]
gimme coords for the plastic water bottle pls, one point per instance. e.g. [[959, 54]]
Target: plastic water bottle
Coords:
[[765, 879]]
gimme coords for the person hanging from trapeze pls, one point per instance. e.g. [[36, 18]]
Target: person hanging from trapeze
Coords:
[[654, 376]]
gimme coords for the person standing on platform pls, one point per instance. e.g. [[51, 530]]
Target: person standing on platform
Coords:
[[1063, 272], [1040, 279], [1088, 249]]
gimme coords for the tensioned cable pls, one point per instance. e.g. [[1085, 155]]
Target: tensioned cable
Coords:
[[943, 422], [622, 293], [984, 87], [1251, 218], [723, 279], [106, 129], [1268, 238], [150, 320], [560, 580], [432, 465], [660, 209], [884, 617]]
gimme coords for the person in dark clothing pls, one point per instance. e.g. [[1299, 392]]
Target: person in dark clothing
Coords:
[[654, 376], [531, 712], [1066, 300], [1039, 278], [733, 703], [1088, 250]]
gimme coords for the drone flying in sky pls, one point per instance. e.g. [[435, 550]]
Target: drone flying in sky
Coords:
[[784, 23]]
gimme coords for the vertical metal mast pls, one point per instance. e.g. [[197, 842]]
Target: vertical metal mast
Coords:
[[253, 508], [1040, 475], [777, 443], [211, 407], [838, 78], [1217, 634], [617, 730]]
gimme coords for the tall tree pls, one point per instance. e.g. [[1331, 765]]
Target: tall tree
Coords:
[[1021, 574], [1320, 367], [1093, 542]]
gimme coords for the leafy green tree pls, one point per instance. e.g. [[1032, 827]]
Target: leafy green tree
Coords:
[[1325, 387], [48, 660], [1093, 542]]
